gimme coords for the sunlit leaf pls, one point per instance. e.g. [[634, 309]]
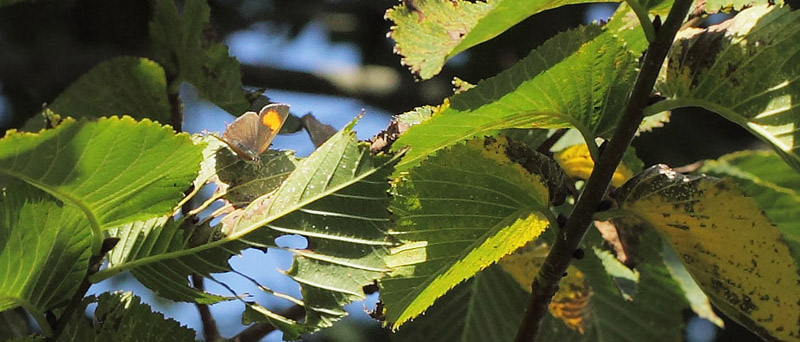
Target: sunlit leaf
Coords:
[[764, 177], [713, 6], [336, 199], [116, 170], [460, 211], [428, 32], [579, 78], [727, 244], [44, 251], [746, 69]]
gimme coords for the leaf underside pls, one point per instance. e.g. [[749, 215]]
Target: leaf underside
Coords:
[[336, 199], [457, 213]]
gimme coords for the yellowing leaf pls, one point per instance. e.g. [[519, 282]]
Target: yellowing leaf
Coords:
[[459, 212], [577, 162], [571, 303], [736, 255]]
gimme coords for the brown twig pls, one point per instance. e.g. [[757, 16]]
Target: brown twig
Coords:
[[545, 147], [210, 331], [545, 284], [257, 331]]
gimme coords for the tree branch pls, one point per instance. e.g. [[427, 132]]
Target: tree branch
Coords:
[[545, 284], [257, 331], [210, 331]]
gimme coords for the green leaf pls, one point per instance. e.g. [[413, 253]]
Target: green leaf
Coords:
[[460, 211], [579, 78], [625, 24], [243, 182], [116, 170], [182, 45], [122, 85], [745, 69], [654, 308], [694, 294], [141, 242], [427, 32], [120, 316], [488, 307], [727, 244], [336, 198], [44, 251], [715, 6], [764, 177]]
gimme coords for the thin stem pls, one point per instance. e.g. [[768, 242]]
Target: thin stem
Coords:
[[545, 284], [257, 331], [644, 19], [545, 147]]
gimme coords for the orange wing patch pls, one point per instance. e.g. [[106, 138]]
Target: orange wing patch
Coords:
[[273, 120]]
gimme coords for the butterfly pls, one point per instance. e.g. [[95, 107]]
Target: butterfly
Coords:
[[250, 134]]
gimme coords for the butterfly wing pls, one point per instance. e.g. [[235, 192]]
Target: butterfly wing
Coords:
[[242, 136], [271, 118]]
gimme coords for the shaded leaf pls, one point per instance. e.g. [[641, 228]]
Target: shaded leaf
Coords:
[[122, 85], [617, 298], [579, 78], [11, 2], [727, 244], [570, 303], [459, 212], [694, 294], [120, 316], [243, 182], [317, 131], [427, 32], [142, 245], [182, 45], [622, 234], [654, 308], [488, 307], [747, 70]]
